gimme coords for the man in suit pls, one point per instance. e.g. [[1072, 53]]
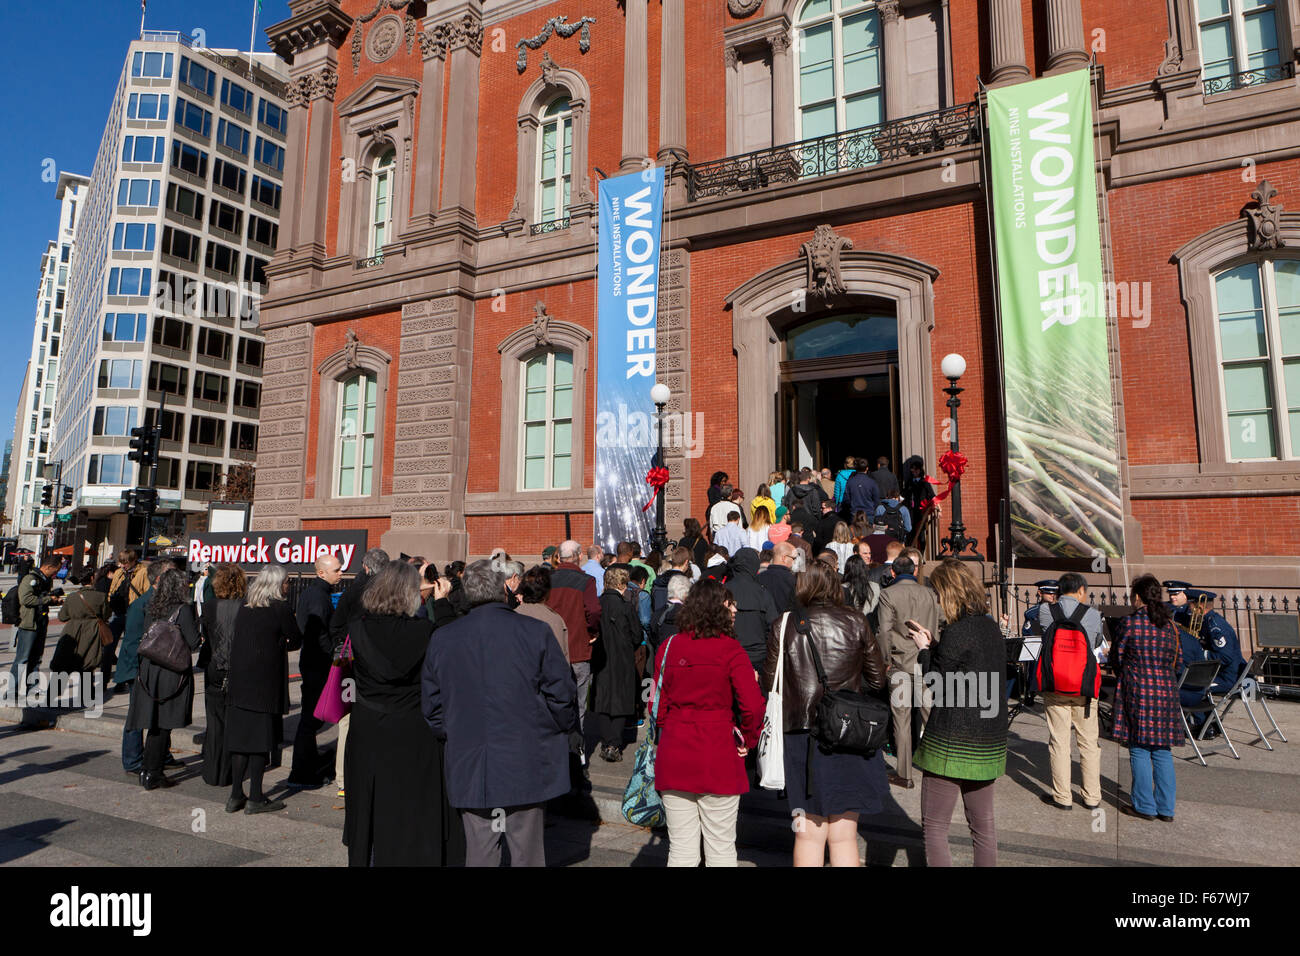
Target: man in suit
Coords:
[[315, 608], [824, 532], [904, 600], [497, 689]]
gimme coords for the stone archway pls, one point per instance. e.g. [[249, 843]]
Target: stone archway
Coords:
[[759, 306]]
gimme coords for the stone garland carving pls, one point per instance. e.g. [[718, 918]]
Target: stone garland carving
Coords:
[[558, 25], [822, 253], [1265, 220], [385, 37], [358, 29], [743, 8]]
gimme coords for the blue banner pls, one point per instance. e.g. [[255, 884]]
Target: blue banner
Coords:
[[627, 303]]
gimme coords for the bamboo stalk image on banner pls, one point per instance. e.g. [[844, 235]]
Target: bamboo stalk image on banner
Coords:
[[1061, 442]]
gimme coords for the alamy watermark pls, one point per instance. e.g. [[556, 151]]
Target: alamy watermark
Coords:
[[55, 689]]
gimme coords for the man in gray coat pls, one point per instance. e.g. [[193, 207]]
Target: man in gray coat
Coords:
[[905, 600], [497, 689]]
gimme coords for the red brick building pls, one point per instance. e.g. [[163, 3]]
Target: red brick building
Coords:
[[440, 196]]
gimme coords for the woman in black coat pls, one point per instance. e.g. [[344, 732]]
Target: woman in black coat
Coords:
[[616, 679], [397, 812], [257, 687], [162, 700], [228, 585]]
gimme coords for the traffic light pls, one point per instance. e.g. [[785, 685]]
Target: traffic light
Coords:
[[128, 503], [66, 500], [47, 495], [146, 500], [142, 446]]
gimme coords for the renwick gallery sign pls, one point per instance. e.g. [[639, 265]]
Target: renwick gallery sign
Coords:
[[295, 550]]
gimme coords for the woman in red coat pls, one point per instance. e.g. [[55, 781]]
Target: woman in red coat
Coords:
[[700, 764], [1146, 702]]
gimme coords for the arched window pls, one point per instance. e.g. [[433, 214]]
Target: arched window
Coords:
[[838, 66], [1258, 310], [381, 206], [554, 161], [546, 421], [355, 452]]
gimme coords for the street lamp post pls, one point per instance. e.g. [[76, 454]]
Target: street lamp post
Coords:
[[953, 368], [660, 394]]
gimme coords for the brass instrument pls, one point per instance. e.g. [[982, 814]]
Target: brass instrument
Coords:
[[1196, 615]]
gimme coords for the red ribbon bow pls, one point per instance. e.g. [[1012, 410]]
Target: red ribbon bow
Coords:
[[656, 479], [953, 464]]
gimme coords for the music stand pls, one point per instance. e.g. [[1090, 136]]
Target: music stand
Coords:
[[1015, 654]]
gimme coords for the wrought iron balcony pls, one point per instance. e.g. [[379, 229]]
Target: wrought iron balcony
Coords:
[[551, 225], [371, 262], [837, 153], [1236, 81]]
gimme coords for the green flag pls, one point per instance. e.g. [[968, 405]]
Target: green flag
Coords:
[[1061, 442]]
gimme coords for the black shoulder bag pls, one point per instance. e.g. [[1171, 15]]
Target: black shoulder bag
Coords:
[[847, 721]]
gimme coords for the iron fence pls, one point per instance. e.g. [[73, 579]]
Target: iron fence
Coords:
[[1235, 81], [551, 225], [1238, 606], [837, 153]]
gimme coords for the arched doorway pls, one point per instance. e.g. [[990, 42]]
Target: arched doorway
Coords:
[[839, 388], [769, 305]]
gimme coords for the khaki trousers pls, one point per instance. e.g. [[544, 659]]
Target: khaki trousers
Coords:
[[903, 688], [338, 754], [691, 815], [1065, 714]]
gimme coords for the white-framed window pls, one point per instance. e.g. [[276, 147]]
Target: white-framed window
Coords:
[[381, 201], [546, 421], [838, 67], [1238, 36], [1258, 311], [555, 160], [354, 456]]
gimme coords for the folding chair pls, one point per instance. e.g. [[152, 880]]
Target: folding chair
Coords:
[[1197, 678], [1246, 689]]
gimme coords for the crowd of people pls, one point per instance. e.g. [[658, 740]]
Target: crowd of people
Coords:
[[472, 689]]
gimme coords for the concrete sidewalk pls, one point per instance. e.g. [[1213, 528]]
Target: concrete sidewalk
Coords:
[[1234, 811]]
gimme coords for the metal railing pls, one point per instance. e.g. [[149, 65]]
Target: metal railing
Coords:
[[1237, 605], [235, 64], [837, 153], [1236, 81], [551, 225], [371, 262]]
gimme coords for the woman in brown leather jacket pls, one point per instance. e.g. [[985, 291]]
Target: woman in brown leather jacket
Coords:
[[843, 786]]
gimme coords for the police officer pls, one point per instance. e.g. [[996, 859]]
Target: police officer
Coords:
[[1032, 631], [1190, 649]]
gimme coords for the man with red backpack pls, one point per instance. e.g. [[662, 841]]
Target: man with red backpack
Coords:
[[1069, 677]]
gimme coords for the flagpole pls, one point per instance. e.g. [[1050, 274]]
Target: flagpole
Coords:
[[142, 3], [252, 34]]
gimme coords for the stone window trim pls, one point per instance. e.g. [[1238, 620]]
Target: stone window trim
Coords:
[[1199, 261], [514, 349], [761, 309], [377, 117], [330, 373], [1179, 74], [544, 91]]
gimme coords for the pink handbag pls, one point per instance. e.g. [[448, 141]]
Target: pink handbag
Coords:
[[331, 707]]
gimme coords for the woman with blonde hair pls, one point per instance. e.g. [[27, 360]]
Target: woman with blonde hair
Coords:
[[759, 528], [842, 544], [964, 749]]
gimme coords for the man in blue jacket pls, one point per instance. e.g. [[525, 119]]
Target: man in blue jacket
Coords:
[[496, 687]]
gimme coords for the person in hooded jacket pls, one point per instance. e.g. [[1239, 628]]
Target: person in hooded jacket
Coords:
[[755, 609], [229, 583]]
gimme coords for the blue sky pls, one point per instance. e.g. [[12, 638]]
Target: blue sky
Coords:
[[59, 72]]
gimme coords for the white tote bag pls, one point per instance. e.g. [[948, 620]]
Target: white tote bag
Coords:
[[771, 743]]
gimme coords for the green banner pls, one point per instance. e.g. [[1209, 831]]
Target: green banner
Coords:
[[1063, 463]]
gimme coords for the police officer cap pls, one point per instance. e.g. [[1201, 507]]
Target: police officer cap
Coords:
[[1048, 586], [1175, 586], [1199, 594]]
